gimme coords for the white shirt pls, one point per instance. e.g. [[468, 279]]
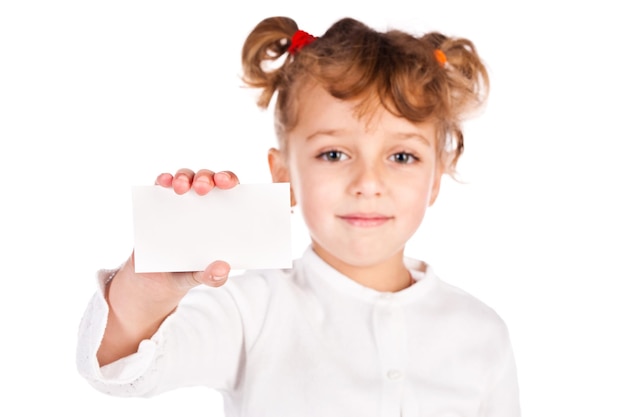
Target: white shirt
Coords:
[[309, 341]]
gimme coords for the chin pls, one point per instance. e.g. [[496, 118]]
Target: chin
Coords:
[[364, 257]]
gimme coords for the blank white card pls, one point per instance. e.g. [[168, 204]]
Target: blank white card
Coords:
[[248, 226]]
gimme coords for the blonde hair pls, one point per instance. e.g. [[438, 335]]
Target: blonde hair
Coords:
[[353, 61]]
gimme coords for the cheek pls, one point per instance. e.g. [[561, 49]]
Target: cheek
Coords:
[[316, 211], [306, 182], [415, 196], [313, 196]]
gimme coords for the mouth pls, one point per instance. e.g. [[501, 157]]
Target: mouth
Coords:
[[365, 219]]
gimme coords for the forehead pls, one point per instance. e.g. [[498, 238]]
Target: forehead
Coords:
[[316, 109]]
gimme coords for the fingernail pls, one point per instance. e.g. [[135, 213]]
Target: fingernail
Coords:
[[224, 175], [218, 278]]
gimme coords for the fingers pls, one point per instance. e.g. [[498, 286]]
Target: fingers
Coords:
[[164, 180], [201, 182], [214, 275], [225, 180], [182, 180]]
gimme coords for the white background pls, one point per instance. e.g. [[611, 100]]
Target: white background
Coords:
[[98, 96]]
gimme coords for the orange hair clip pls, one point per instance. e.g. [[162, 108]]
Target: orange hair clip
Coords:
[[440, 56]]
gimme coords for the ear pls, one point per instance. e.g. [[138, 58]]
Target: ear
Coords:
[[279, 169]]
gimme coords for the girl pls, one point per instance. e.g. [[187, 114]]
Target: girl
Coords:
[[367, 124]]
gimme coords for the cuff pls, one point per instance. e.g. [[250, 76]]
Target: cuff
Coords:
[[121, 376]]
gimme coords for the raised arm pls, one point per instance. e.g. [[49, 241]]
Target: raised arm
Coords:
[[138, 303]]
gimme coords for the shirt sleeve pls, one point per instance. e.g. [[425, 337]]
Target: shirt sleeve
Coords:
[[502, 397], [200, 343]]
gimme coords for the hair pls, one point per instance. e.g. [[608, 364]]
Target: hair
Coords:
[[355, 62]]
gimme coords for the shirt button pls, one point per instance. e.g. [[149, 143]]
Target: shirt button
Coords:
[[394, 374]]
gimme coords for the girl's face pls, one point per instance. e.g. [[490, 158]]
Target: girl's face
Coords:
[[362, 183]]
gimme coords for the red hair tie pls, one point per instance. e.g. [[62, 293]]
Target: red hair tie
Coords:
[[299, 40]]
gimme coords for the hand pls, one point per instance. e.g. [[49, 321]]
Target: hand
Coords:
[[139, 302], [201, 182]]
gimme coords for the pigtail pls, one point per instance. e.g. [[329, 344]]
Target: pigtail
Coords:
[[262, 50], [464, 88], [428, 78], [467, 77]]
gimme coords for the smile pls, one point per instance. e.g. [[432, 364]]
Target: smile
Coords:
[[365, 219]]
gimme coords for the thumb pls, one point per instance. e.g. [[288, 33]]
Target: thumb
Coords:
[[214, 275]]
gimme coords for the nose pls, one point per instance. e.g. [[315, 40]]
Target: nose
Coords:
[[367, 179]]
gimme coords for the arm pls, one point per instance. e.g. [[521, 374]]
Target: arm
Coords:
[[503, 397], [138, 303]]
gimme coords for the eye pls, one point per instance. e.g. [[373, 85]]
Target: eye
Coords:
[[332, 156], [404, 158]]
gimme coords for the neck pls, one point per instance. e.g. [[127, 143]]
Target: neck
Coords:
[[388, 276]]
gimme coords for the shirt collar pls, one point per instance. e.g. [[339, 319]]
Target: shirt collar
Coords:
[[320, 273]]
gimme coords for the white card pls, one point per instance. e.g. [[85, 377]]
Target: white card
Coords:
[[248, 226]]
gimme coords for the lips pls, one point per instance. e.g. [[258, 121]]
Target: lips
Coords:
[[365, 219]]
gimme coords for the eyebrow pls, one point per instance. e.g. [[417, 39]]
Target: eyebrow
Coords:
[[413, 135], [327, 132], [400, 135]]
